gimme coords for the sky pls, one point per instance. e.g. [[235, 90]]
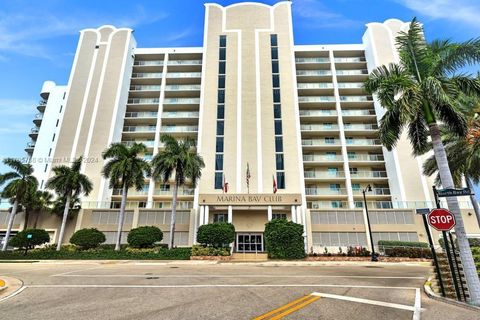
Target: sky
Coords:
[[38, 39]]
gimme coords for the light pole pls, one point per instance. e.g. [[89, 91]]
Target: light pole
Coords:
[[369, 189]]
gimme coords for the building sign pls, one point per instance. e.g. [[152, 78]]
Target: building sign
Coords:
[[250, 199]]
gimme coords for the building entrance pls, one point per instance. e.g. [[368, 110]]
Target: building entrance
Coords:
[[249, 242]]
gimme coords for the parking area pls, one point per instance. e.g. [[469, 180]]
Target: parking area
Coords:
[[188, 290]]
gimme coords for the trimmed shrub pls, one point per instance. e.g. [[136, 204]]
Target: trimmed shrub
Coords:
[[88, 238], [210, 251], [37, 237], [218, 235], [387, 243], [144, 237], [408, 252], [284, 239]]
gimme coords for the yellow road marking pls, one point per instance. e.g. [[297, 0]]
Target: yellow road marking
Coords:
[[2, 283], [285, 309]]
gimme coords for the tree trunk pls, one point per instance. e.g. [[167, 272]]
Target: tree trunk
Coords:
[[11, 218], [27, 217], [64, 222], [473, 199], [174, 215], [37, 215], [121, 217], [466, 257]]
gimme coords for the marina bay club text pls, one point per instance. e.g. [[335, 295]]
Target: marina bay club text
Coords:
[[251, 199]]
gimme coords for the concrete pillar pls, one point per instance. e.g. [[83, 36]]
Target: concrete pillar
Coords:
[[294, 214], [269, 213], [230, 214], [206, 215], [299, 215], [201, 216]]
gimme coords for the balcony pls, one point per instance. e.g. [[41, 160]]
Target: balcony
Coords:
[[350, 85], [368, 174], [312, 60], [180, 114], [325, 192], [34, 132], [184, 75], [359, 127], [327, 204], [375, 192], [181, 191], [351, 72], [318, 113], [179, 129], [141, 115], [145, 88], [38, 119], [182, 87], [140, 129], [147, 75], [148, 63], [319, 127], [328, 175], [320, 142], [147, 143], [363, 142], [307, 99], [144, 101], [30, 146], [132, 192], [349, 60], [314, 73], [181, 101], [321, 158], [358, 113], [355, 98], [42, 105], [184, 62], [365, 157]]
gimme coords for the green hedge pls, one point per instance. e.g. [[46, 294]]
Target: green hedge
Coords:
[[408, 252], [37, 237], [387, 243], [88, 238], [210, 251], [70, 253], [217, 235], [144, 237], [284, 239]]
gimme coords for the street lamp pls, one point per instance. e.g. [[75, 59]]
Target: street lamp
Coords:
[[369, 189]]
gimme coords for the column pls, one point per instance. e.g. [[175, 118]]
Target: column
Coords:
[[230, 214], [269, 213], [294, 214], [201, 216], [206, 215], [299, 215]]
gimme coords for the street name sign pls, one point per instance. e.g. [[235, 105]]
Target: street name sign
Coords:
[[454, 192]]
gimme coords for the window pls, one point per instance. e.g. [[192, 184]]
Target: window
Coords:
[[279, 161], [356, 186], [219, 147], [220, 217], [332, 171], [327, 125], [353, 171], [56, 124], [276, 95], [221, 81], [220, 112], [278, 144], [349, 140], [278, 127], [331, 155], [218, 180], [223, 54], [334, 186], [275, 68], [279, 216], [329, 140], [221, 67], [223, 41], [273, 40], [276, 81], [351, 155], [220, 127], [274, 53], [49, 152], [336, 204], [281, 180], [221, 96], [219, 162], [277, 111]]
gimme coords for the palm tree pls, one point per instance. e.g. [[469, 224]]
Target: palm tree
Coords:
[[125, 169], [463, 154], [43, 201], [30, 201], [420, 90], [19, 181], [181, 158], [68, 183]]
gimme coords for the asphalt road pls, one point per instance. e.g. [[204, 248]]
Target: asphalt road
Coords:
[[222, 291]]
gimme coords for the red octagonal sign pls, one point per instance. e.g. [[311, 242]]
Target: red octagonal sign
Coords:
[[441, 219]]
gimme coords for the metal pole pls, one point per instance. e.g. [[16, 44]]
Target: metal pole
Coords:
[[450, 263], [458, 266], [434, 254], [374, 256]]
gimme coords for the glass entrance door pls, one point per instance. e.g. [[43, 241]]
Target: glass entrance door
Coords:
[[249, 242]]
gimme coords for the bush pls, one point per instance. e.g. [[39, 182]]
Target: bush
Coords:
[[217, 235], [88, 238], [210, 251], [358, 252], [144, 237], [408, 252], [387, 243], [284, 239], [37, 237]]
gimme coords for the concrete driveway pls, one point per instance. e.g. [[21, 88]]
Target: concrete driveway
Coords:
[[195, 290]]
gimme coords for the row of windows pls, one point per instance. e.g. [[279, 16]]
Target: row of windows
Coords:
[[220, 130], [339, 239], [223, 217], [395, 236], [154, 218], [277, 114], [110, 217], [391, 217], [337, 217]]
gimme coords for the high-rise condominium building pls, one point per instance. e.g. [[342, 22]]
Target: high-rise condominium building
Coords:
[[288, 127]]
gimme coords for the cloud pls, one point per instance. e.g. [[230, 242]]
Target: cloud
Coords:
[[324, 18], [460, 11], [27, 32], [17, 107]]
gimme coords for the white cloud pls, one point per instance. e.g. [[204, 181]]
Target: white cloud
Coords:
[[323, 17], [461, 11], [17, 107]]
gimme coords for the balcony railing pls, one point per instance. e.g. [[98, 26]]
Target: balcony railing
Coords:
[[39, 116], [312, 60], [358, 126], [316, 99], [325, 191], [355, 98], [181, 191], [143, 101], [351, 72], [324, 174], [184, 75], [180, 114], [139, 129], [145, 88], [358, 112], [145, 114], [366, 157], [321, 157], [148, 75], [320, 142], [182, 87], [363, 142], [184, 62], [31, 144], [181, 101], [368, 174], [179, 129], [314, 73], [148, 63], [34, 130], [42, 103], [350, 85], [352, 59], [320, 85], [375, 191], [148, 143], [327, 204], [118, 192], [318, 127], [318, 113]]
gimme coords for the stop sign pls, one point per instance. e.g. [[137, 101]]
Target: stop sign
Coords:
[[441, 219]]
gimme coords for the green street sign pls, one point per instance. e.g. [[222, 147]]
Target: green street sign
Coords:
[[454, 192], [423, 211], [29, 236]]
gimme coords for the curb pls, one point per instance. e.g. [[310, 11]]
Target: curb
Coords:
[[432, 295]]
